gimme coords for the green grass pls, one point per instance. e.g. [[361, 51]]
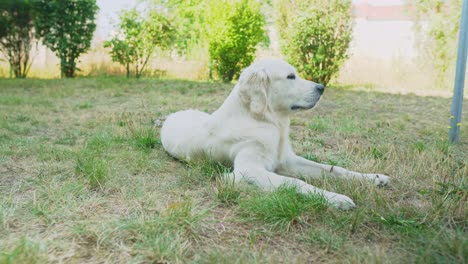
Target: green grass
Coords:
[[94, 169], [145, 138], [165, 236], [283, 208], [26, 251], [227, 191], [84, 178], [328, 240]]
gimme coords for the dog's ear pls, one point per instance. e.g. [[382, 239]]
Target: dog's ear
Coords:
[[253, 90]]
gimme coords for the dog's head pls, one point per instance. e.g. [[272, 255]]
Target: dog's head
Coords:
[[273, 85]]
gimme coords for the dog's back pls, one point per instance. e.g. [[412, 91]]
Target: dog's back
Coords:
[[182, 133]]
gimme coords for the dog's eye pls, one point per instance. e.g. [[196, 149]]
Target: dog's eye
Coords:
[[291, 76]]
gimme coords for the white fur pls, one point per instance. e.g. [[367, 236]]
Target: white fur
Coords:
[[250, 131]]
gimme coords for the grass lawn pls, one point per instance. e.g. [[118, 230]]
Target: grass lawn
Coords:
[[84, 179]]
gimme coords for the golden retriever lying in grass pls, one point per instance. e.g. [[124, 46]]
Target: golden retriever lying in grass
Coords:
[[250, 131]]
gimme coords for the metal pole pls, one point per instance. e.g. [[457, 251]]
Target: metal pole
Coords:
[[457, 100]]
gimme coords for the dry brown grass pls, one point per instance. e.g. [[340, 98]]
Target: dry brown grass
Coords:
[[397, 76]]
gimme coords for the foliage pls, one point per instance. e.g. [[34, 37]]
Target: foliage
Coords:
[[139, 38], [188, 22], [234, 30], [315, 36], [66, 27], [438, 35], [227, 30], [16, 34]]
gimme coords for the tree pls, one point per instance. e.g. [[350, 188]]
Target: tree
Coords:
[[315, 36], [17, 35], [235, 28], [66, 27], [188, 21], [138, 38]]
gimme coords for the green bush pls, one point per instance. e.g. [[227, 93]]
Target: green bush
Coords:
[[234, 31], [66, 27], [315, 36], [138, 39], [188, 20]]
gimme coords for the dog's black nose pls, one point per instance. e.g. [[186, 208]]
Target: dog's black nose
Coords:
[[320, 88]]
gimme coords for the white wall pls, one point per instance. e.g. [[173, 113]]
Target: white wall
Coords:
[[384, 40]]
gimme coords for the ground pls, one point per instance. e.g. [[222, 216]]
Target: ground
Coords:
[[84, 179]]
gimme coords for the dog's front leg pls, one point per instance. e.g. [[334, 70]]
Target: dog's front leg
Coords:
[[297, 166], [249, 166]]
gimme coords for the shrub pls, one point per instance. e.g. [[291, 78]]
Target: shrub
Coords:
[[315, 36], [234, 31], [188, 20], [139, 38], [66, 27]]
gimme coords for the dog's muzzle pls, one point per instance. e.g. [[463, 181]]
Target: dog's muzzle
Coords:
[[320, 88]]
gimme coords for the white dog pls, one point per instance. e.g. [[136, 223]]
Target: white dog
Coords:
[[251, 132]]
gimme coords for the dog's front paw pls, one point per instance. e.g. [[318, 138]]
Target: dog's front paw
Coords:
[[380, 179], [339, 201]]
